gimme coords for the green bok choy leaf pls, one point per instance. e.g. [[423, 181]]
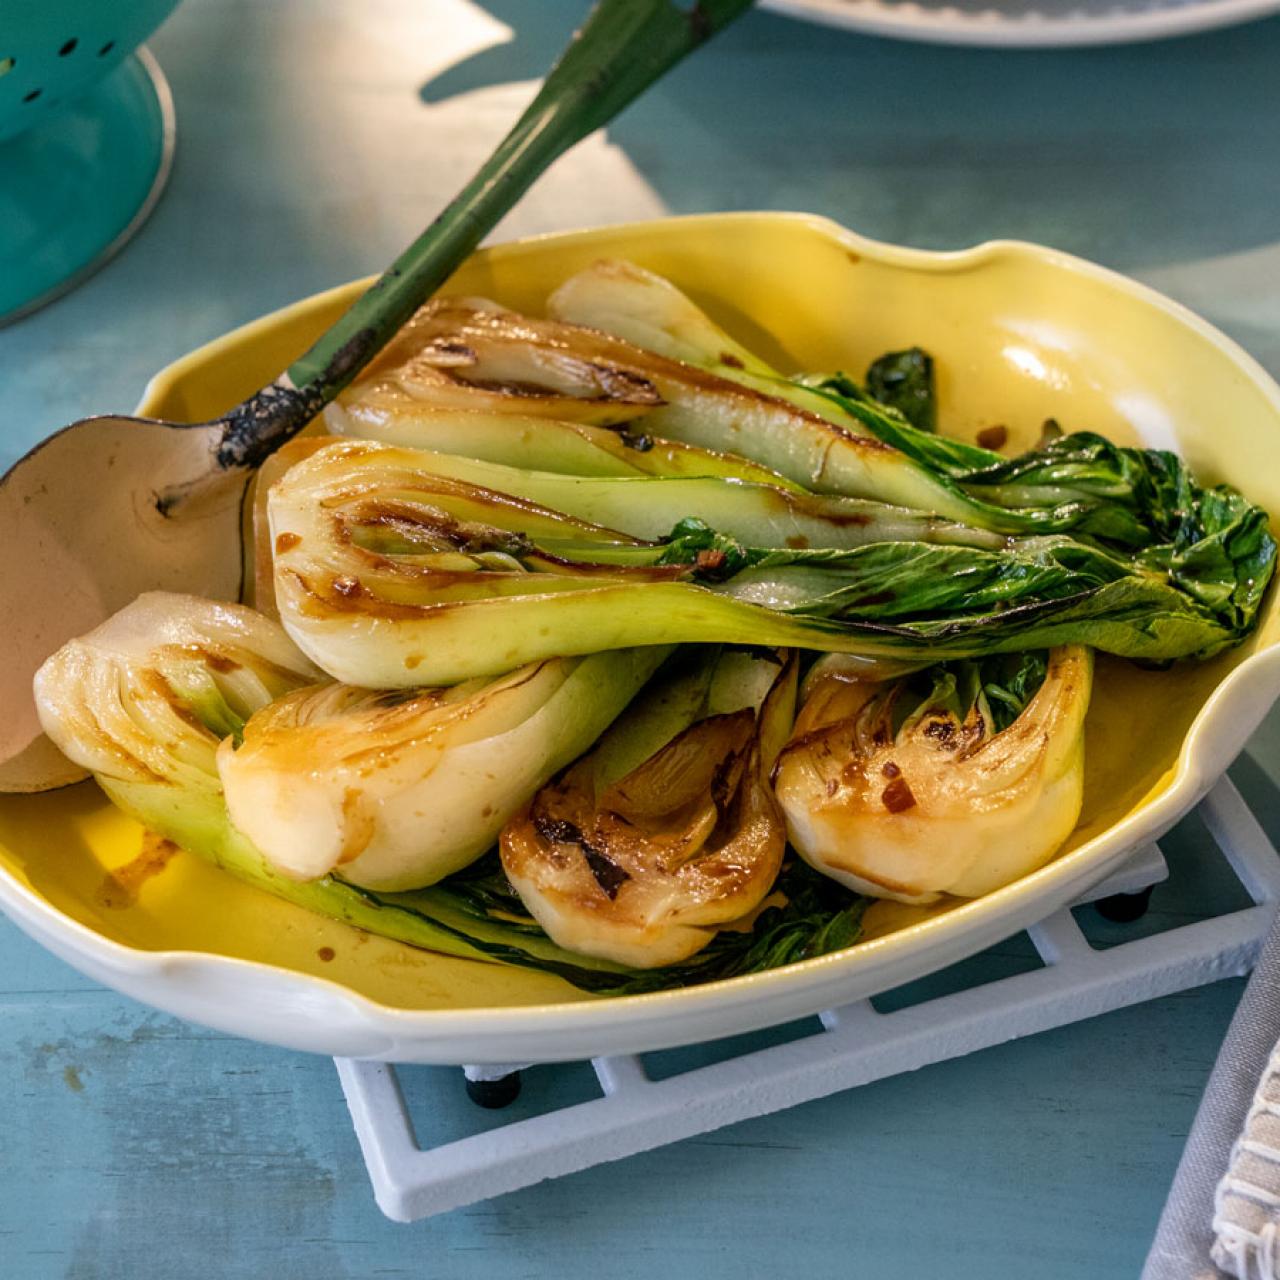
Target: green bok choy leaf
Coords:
[[903, 380]]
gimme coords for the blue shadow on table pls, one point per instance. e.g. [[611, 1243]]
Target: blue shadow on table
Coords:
[[906, 142]]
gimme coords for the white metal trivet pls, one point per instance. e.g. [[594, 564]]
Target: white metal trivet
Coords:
[[857, 1044]]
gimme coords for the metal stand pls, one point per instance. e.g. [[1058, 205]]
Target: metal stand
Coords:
[[856, 1045]]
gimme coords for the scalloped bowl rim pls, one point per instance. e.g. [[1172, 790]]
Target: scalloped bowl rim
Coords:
[[641, 1023]]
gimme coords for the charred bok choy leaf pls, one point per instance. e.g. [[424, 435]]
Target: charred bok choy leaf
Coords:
[[958, 779], [903, 380], [389, 574], [667, 830]]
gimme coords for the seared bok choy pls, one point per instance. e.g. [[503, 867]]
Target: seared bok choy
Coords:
[[1080, 483], [758, 513], [529, 518], [957, 780], [468, 353], [396, 790], [176, 695], [391, 573], [668, 830], [387, 412], [146, 699]]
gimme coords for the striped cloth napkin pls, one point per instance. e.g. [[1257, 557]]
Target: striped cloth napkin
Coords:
[[1222, 1218]]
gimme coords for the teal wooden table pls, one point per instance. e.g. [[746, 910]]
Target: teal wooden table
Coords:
[[314, 138]]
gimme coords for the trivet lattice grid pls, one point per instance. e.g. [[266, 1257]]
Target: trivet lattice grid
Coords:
[[856, 1044]]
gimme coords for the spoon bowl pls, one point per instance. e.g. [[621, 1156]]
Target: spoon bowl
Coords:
[[84, 524]]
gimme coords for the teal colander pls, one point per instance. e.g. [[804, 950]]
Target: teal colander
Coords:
[[86, 138]]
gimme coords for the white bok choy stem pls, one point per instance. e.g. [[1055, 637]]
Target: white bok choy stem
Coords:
[[636, 306], [396, 790], [649, 507], [421, 365], [458, 351], [146, 696], [387, 412], [907, 797], [623, 299], [668, 830]]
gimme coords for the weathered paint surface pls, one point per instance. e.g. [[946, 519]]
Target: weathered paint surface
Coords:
[[133, 1146]]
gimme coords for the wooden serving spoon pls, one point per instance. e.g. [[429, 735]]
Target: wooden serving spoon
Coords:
[[110, 507]]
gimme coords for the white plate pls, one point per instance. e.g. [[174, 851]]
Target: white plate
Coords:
[[1026, 24]]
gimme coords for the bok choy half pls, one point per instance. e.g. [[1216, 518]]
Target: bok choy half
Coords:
[[390, 572], [958, 779], [1080, 484], [668, 829]]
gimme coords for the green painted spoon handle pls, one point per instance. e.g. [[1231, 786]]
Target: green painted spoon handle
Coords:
[[621, 49]]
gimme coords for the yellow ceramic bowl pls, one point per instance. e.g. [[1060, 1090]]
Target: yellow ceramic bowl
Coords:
[[1020, 334]]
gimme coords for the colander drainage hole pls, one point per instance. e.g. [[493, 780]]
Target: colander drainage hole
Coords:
[[68, 48], [106, 48], [33, 95]]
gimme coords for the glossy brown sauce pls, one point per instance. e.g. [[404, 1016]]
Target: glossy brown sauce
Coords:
[[120, 888]]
